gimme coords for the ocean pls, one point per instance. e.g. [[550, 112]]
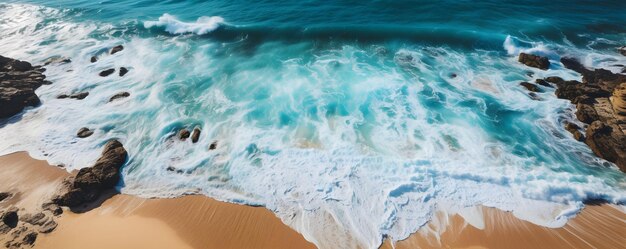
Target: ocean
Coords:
[[347, 119]]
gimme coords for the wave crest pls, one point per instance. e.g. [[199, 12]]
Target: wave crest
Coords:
[[203, 25]]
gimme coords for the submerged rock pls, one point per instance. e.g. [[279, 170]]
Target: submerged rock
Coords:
[[116, 49], [107, 72], [78, 96], [119, 96], [543, 83], [57, 60], [90, 182], [93, 59], [622, 50], [84, 132], [195, 135], [530, 87], [534, 61], [213, 146]]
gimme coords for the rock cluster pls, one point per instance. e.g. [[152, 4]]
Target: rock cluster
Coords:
[[18, 81], [534, 61], [21, 229], [91, 182], [600, 101]]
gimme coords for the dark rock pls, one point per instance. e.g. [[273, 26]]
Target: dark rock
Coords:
[[18, 81], [9, 217], [608, 142], [116, 49], [170, 168], [622, 50], [543, 83], [453, 75], [4, 195], [107, 72], [93, 59], [57, 60], [530, 87], [534, 61], [573, 64], [183, 134], [119, 96], [195, 135], [81, 95], [575, 130], [84, 132], [533, 96], [63, 96], [29, 238], [213, 146], [48, 227], [123, 71], [586, 113], [34, 219], [90, 182], [554, 79]]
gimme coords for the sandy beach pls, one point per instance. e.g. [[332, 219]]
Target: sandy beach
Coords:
[[124, 221]]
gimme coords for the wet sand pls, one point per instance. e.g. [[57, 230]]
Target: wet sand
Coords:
[[200, 222]]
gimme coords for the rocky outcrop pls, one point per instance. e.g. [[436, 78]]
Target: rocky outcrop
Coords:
[[600, 102], [91, 182], [534, 61], [618, 101], [119, 96], [18, 82]]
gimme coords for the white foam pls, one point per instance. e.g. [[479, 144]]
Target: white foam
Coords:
[[203, 25]]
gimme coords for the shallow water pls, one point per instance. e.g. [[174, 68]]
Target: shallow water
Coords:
[[366, 115]]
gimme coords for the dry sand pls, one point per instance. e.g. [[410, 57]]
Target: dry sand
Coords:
[[200, 222]]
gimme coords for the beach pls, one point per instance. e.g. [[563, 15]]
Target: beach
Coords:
[[124, 221]]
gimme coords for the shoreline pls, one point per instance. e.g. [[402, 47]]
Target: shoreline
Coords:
[[196, 221]]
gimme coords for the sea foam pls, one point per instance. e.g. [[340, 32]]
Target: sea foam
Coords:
[[203, 25]]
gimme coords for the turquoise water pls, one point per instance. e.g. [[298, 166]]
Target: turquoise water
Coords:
[[348, 119]]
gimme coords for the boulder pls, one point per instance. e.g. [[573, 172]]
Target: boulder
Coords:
[[183, 134], [84, 132], [93, 59], [534, 61], [10, 217], [90, 182], [530, 87], [119, 95], [107, 72], [195, 135], [123, 71], [116, 49]]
